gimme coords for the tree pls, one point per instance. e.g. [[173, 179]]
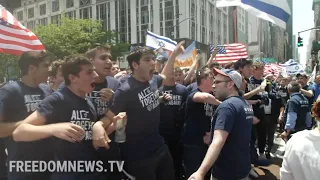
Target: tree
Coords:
[[9, 68], [118, 49], [73, 36]]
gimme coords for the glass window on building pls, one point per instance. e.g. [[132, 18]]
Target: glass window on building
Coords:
[[86, 13], [31, 24], [84, 2], [30, 13], [43, 9], [69, 3], [71, 14], [43, 21], [169, 13], [20, 16], [55, 5], [203, 35], [56, 19]]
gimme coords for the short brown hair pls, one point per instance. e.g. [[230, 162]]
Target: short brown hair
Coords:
[[91, 53], [229, 65], [73, 65], [257, 65], [203, 74], [29, 58], [136, 54], [54, 67], [178, 69]]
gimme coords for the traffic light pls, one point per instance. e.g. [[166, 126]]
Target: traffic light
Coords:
[[300, 41]]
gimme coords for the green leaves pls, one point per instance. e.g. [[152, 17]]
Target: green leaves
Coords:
[[73, 36]]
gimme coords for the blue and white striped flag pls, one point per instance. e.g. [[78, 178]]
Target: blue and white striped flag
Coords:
[[275, 11], [292, 67], [156, 41]]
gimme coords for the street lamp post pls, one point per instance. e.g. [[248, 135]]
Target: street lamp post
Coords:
[[172, 27]]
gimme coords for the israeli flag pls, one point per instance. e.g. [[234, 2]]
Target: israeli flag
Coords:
[[156, 41], [292, 67], [275, 11]]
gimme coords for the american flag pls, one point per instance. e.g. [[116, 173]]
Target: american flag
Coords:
[[273, 69], [14, 37], [229, 52]]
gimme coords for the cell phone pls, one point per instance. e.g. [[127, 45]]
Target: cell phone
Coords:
[[198, 51]]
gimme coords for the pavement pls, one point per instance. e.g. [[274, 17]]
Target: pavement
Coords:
[[272, 172]]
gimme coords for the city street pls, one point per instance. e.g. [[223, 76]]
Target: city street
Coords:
[[273, 172]]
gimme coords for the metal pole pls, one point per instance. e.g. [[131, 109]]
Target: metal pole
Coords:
[[309, 29]]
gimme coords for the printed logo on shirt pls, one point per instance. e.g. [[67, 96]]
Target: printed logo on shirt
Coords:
[[176, 99], [82, 118], [101, 106], [252, 86], [32, 101], [149, 99], [208, 108], [249, 112], [304, 104]]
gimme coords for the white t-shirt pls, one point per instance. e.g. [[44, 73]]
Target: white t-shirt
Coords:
[[302, 157]]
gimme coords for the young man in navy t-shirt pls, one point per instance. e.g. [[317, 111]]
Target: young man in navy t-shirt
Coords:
[[67, 116], [101, 97], [17, 101], [145, 153], [229, 151], [55, 78], [199, 110], [171, 119]]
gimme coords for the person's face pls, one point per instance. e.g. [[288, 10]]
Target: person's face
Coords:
[[145, 68], [244, 84], [85, 79], [58, 79], [302, 80], [102, 63], [317, 80], [258, 73], [246, 71], [115, 69], [40, 72], [283, 82], [221, 87], [178, 77], [207, 83]]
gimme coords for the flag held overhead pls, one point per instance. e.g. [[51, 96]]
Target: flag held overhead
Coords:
[[14, 37]]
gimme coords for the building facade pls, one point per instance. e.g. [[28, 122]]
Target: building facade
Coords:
[[316, 34], [289, 29], [199, 20]]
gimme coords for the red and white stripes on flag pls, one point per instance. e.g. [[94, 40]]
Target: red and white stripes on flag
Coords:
[[14, 37], [273, 69], [230, 52]]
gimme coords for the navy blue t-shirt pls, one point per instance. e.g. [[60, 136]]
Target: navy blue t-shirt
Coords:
[[310, 99], [252, 84], [46, 89], [3, 157], [197, 120], [101, 106], [18, 101], [191, 87], [298, 104], [170, 121], [234, 115], [65, 106], [140, 101]]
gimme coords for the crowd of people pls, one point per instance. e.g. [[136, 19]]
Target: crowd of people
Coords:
[[165, 123]]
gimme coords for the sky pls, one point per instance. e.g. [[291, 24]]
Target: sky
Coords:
[[303, 18]]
